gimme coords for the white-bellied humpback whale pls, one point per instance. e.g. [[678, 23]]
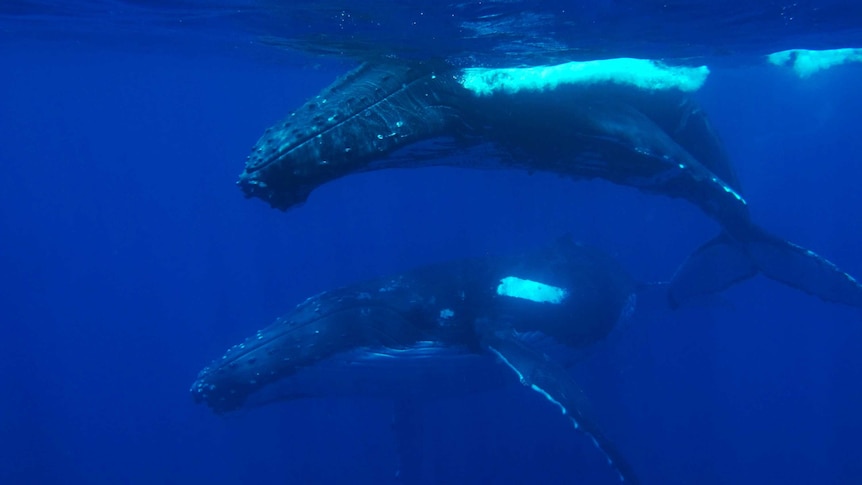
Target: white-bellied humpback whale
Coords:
[[642, 132], [441, 330]]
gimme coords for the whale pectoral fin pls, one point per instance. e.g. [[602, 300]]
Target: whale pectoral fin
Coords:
[[713, 267], [536, 371], [724, 261]]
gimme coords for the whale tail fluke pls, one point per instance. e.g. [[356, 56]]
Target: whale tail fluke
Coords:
[[725, 260]]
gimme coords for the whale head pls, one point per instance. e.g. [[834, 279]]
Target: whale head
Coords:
[[366, 114]]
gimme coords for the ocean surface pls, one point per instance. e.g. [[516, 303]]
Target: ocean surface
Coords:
[[129, 259]]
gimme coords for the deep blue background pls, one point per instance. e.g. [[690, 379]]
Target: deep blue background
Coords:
[[129, 260]]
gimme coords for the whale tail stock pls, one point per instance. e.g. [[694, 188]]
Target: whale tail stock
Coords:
[[726, 260]]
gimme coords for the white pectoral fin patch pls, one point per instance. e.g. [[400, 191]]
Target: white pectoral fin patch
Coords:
[[536, 291]]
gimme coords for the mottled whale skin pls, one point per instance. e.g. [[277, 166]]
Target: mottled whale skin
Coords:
[[394, 115], [441, 330]]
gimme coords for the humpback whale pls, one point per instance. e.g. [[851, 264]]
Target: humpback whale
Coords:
[[646, 133], [442, 330]]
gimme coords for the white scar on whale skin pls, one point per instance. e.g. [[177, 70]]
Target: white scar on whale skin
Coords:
[[530, 290], [645, 74], [806, 62]]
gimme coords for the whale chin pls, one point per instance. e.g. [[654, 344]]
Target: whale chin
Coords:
[[424, 371], [253, 186]]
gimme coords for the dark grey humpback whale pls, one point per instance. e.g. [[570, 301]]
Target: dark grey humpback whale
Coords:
[[444, 329], [390, 115]]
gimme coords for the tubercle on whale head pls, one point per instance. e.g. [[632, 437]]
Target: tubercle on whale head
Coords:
[[225, 384], [270, 354], [323, 325], [368, 113], [254, 185]]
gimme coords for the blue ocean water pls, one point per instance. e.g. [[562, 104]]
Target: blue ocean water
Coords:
[[130, 259]]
